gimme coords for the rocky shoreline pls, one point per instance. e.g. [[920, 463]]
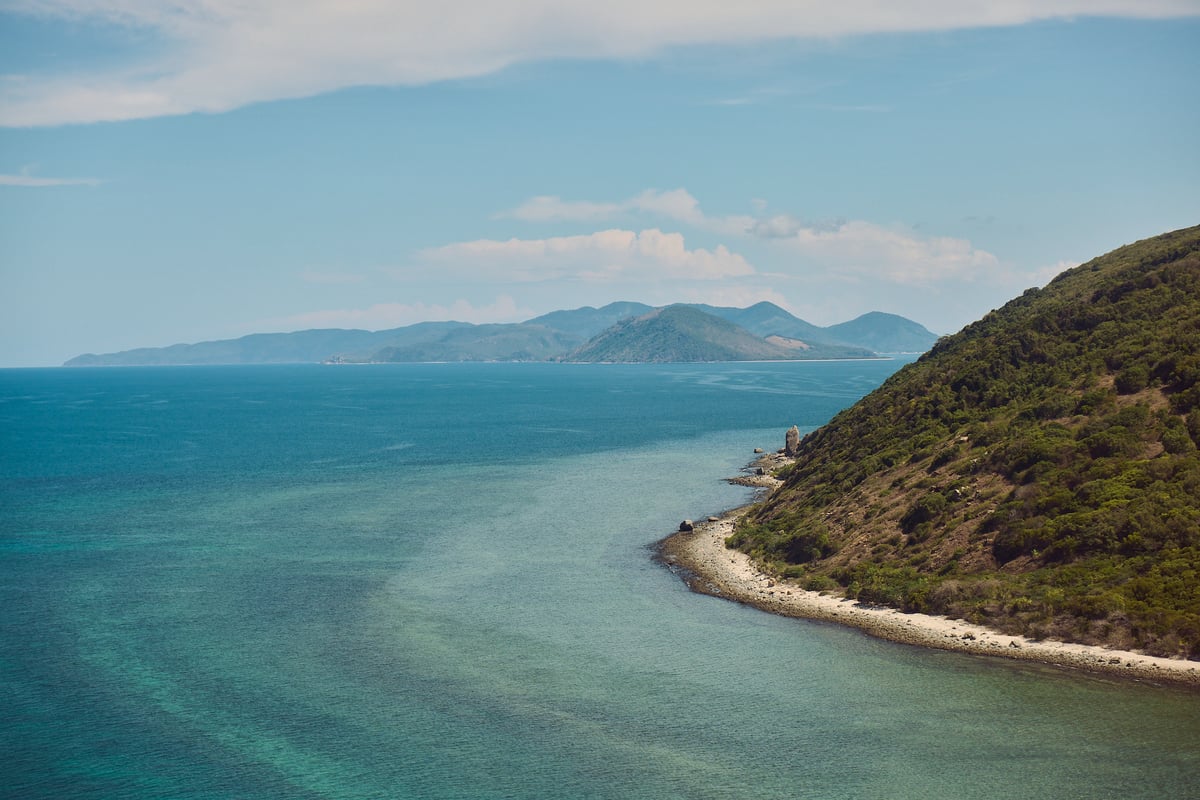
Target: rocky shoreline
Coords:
[[708, 567]]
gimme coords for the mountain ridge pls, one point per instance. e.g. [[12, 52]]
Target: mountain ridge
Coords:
[[547, 337], [684, 333]]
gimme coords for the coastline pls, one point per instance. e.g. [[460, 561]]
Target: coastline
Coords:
[[708, 567]]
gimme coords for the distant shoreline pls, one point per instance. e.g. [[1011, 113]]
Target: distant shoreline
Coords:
[[331, 363], [707, 566]]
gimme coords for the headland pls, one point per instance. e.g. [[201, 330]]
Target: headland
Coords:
[[709, 567]]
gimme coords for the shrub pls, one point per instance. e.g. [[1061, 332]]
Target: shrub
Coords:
[[1177, 441], [819, 583], [924, 510], [1092, 400], [1186, 401], [1132, 379], [1027, 537], [809, 545]]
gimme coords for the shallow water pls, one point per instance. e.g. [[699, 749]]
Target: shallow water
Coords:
[[435, 581]]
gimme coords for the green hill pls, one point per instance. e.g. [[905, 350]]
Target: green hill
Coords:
[[1036, 472], [884, 333], [586, 322], [682, 333], [309, 346]]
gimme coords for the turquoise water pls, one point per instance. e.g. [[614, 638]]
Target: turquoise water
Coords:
[[436, 581]]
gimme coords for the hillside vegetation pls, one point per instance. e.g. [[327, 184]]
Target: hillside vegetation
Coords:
[[492, 342], [1036, 472]]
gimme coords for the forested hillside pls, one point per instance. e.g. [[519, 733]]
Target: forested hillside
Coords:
[[1037, 472]]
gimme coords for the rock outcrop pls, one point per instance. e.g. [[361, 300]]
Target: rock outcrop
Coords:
[[791, 442]]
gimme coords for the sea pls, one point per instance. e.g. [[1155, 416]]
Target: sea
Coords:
[[438, 581]]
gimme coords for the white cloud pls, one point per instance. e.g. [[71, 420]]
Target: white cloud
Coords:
[[32, 181], [381, 316], [597, 257], [217, 55], [895, 254], [675, 204], [857, 248], [778, 226]]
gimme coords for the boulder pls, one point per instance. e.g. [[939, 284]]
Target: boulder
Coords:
[[686, 525]]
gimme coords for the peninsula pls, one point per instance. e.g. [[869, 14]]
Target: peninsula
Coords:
[[1030, 487], [708, 565]]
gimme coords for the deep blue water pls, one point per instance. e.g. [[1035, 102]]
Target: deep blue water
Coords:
[[434, 581]]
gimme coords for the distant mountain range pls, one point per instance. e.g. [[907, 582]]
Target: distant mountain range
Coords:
[[624, 331]]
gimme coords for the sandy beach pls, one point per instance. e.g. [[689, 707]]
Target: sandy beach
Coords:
[[711, 568]]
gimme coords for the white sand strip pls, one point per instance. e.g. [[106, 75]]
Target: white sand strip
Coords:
[[731, 574]]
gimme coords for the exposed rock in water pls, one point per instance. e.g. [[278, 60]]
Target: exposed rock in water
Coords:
[[686, 525]]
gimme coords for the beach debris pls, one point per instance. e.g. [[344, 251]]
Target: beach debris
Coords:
[[686, 526], [791, 441]]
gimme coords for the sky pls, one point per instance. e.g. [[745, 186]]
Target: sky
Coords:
[[187, 171]]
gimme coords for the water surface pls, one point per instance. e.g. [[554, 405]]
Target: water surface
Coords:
[[434, 581]]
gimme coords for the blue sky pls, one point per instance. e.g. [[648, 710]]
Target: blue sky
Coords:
[[181, 172]]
